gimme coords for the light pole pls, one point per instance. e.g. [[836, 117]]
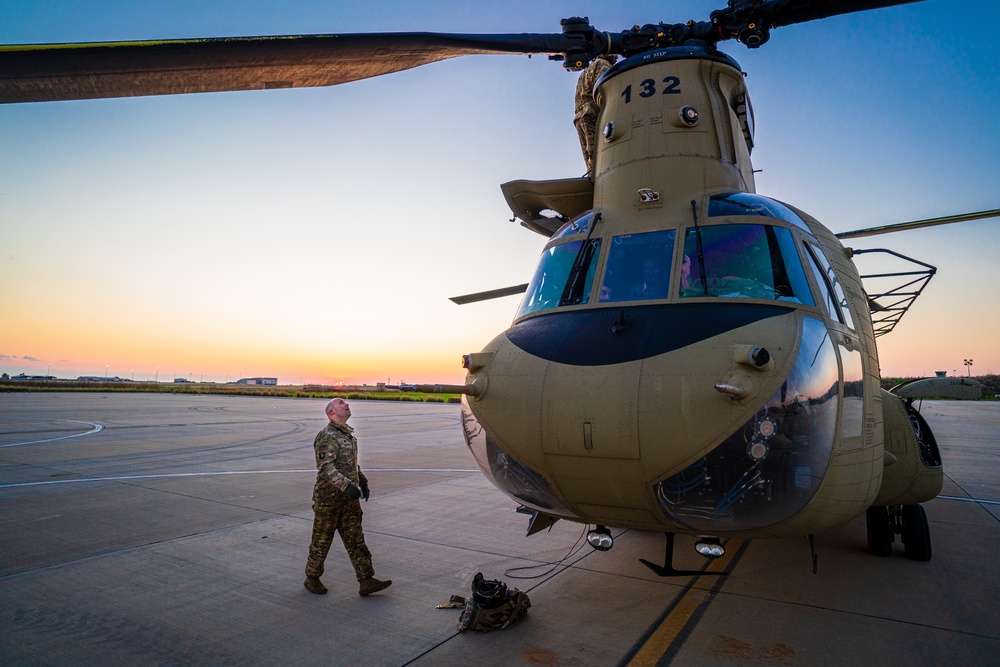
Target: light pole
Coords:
[[968, 365]]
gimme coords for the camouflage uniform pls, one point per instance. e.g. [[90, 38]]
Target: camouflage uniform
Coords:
[[587, 108], [337, 462]]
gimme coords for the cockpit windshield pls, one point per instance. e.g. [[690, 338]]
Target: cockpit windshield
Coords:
[[639, 266], [564, 276], [748, 261]]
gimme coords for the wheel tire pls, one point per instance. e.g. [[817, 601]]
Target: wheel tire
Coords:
[[916, 534], [879, 531]]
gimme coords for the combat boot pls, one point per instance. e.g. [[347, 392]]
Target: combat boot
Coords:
[[373, 585], [314, 585]]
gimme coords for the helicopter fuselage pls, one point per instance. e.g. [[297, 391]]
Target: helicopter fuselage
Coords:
[[690, 356]]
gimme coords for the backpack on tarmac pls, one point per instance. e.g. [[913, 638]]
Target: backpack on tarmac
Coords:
[[492, 606]]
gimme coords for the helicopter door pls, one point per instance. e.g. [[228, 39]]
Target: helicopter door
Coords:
[[530, 200], [589, 412]]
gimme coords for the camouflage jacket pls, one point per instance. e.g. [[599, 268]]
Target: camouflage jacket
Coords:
[[585, 103], [337, 460]]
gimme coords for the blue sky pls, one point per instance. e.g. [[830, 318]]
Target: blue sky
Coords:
[[318, 233]]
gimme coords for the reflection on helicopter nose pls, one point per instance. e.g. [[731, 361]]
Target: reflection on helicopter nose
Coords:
[[506, 472], [769, 468]]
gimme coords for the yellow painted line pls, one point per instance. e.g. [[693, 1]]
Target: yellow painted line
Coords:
[[684, 610]]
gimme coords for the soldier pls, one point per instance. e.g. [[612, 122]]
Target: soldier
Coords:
[[586, 106], [339, 485]]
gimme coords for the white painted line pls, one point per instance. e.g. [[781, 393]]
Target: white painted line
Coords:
[[971, 500], [124, 478], [97, 427]]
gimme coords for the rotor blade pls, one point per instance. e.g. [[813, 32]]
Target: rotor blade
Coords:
[[491, 294], [49, 72], [917, 224], [788, 12]]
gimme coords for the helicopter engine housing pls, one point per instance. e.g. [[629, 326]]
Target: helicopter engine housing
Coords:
[[913, 472]]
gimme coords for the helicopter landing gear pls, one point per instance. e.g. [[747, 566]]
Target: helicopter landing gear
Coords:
[[907, 521], [916, 535], [879, 531]]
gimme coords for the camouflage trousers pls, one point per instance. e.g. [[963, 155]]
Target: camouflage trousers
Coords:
[[344, 517], [586, 129]]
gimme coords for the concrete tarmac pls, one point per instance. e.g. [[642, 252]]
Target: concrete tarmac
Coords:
[[173, 530]]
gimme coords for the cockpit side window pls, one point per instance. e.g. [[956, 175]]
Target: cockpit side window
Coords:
[[826, 294], [638, 267], [564, 276], [748, 261], [826, 279]]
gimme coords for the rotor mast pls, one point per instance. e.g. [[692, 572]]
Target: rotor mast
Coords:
[[748, 21]]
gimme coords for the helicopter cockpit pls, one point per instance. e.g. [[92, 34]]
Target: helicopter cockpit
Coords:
[[756, 260]]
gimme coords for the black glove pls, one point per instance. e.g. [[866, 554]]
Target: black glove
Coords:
[[365, 492], [352, 491]]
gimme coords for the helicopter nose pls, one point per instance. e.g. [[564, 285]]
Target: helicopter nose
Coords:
[[677, 407]]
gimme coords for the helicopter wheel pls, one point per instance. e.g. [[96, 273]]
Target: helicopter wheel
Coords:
[[879, 531], [916, 535]]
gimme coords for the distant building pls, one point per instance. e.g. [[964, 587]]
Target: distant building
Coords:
[[264, 381], [941, 374]]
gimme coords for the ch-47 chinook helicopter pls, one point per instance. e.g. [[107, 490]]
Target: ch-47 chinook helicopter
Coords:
[[690, 357]]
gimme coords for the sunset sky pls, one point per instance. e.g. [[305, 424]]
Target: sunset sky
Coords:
[[316, 234]]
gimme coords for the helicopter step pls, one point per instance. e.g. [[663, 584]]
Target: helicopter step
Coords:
[[709, 547]]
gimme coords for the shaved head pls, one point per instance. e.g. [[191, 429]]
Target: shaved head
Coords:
[[338, 411]]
